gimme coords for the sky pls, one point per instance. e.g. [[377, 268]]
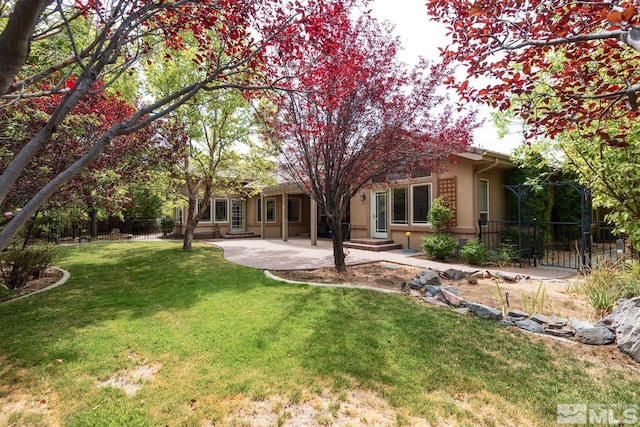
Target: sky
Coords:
[[421, 37]]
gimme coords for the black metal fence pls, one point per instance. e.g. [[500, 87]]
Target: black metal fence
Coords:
[[556, 244], [69, 231]]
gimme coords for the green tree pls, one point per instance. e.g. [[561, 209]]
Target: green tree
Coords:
[[533, 169], [220, 155], [233, 40], [612, 174]]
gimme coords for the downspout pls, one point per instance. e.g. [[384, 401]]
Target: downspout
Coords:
[[476, 185]]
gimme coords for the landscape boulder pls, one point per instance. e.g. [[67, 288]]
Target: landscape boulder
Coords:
[[597, 335], [530, 325], [450, 294], [484, 311], [626, 321], [453, 274], [428, 277]]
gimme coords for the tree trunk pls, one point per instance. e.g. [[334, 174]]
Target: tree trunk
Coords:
[[187, 241], [338, 248], [94, 223], [15, 40], [190, 225]]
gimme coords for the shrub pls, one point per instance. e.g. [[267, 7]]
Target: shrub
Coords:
[[17, 266], [438, 246], [166, 224], [5, 292], [440, 214], [473, 252], [506, 254]]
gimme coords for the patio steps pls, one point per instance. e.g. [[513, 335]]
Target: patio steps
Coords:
[[373, 245], [246, 235]]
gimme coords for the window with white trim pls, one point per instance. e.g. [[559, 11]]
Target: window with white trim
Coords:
[[484, 199], [399, 206], [420, 203], [206, 216], [270, 208], [221, 209]]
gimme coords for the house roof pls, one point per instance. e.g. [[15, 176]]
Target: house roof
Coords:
[[478, 155], [488, 157]]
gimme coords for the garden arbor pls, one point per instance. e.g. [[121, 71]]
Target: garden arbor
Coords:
[[561, 242]]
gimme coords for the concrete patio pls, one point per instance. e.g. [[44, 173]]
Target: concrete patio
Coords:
[[298, 254]]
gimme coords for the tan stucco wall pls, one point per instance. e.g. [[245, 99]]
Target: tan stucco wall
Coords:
[[467, 215], [467, 172]]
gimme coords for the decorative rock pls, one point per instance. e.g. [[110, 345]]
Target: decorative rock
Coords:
[[597, 335], [626, 320], [554, 326], [415, 293], [517, 314], [428, 277], [541, 319], [530, 325], [484, 311], [433, 290], [453, 290], [579, 324], [451, 297], [559, 320], [562, 333], [434, 301], [415, 284], [462, 310], [478, 275], [453, 274]]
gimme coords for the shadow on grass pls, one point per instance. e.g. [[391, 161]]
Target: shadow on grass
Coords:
[[228, 328], [114, 280]]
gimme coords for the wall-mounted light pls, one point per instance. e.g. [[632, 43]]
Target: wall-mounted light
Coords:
[[362, 196]]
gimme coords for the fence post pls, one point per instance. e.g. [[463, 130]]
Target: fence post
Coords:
[[480, 229], [535, 242]]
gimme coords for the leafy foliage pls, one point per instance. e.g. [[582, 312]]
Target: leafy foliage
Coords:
[[356, 114], [610, 281], [440, 214], [473, 252], [60, 51], [558, 65], [438, 246], [20, 264], [569, 70]]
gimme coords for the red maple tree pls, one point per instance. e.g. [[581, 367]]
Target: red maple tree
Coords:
[[126, 160], [354, 113], [557, 64]]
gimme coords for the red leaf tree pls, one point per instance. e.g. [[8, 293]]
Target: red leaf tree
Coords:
[[108, 40], [101, 186], [557, 64], [354, 114]]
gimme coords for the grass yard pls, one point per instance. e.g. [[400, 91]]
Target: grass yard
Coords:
[[144, 334]]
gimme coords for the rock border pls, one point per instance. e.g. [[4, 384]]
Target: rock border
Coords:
[[65, 276], [427, 287]]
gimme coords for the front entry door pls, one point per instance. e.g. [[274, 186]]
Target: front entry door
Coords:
[[237, 215], [379, 217]]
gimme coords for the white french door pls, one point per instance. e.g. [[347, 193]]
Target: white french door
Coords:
[[237, 215], [379, 215]]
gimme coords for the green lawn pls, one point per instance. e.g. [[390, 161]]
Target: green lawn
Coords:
[[222, 342]]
